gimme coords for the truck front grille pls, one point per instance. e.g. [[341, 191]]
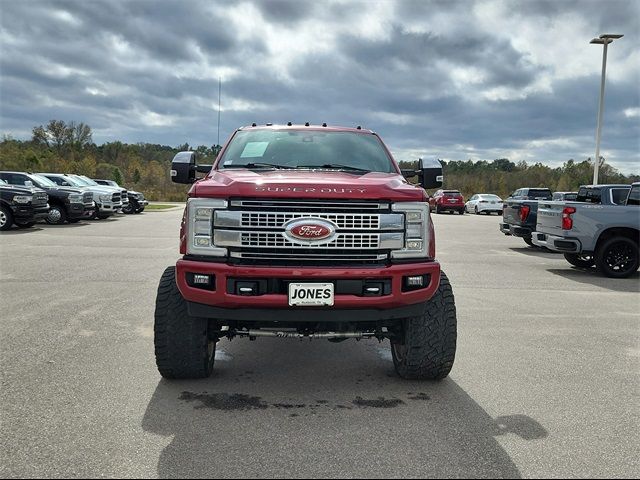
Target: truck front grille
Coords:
[[359, 221], [39, 198], [115, 198], [87, 199], [253, 231]]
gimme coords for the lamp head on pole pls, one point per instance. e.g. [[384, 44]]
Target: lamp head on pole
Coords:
[[606, 38]]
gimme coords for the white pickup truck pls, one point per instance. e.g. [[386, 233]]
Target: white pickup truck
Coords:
[[588, 234]]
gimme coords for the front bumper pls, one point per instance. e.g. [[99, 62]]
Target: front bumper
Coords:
[[108, 207], [28, 213], [556, 243], [224, 304], [515, 230]]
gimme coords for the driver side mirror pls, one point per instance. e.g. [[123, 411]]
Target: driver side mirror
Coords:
[[430, 173], [184, 168]]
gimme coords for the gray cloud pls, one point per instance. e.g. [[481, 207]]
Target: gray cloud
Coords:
[[432, 77]]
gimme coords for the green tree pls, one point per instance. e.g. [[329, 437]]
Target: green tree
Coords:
[[117, 176]]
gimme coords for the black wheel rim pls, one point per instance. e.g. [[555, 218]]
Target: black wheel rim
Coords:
[[620, 257]]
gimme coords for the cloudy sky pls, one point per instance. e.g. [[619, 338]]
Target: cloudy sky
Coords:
[[450, 79]]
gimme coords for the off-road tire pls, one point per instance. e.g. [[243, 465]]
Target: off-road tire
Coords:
[[426, 347], [182, 345], [7, 219], [580, 261], [140, 210], [529, 241], [617, 249]]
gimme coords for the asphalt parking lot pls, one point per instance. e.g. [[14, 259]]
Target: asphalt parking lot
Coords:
[[546, 380]]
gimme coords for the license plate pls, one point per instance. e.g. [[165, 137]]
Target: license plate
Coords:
[[310, 294]]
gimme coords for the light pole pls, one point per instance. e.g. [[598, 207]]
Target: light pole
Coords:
[[605, 40]]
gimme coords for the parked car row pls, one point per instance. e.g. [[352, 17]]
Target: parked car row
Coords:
[[453, 201], [600, 227], [60, 198]]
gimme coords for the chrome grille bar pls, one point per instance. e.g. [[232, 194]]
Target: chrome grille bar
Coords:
[[256, 239], [343, 221]]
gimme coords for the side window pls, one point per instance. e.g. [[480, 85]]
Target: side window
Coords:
[[15, 179], [57, 180], [634, 196], [619, 195]]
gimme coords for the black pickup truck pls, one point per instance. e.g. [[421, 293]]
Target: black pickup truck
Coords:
[[67, 203], [520, 212], [23, 206]]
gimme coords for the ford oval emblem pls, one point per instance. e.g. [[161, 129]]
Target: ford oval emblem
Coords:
[[309, 230]]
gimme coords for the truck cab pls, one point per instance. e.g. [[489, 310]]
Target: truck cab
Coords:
[[305, 231]]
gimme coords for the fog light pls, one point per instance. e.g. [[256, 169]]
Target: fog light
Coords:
[[203, 241], [204, 212], [201, 279], [417, 281], [414, 244]]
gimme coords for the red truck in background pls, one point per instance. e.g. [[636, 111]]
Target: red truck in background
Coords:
[[447, 201], [305, 232]]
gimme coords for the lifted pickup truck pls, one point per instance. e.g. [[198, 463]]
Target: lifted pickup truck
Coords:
[[520, 212], [23, 206], [305, 232], [605, 235]]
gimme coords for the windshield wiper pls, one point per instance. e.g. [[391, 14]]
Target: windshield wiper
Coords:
[[258, 165], [336, 166]]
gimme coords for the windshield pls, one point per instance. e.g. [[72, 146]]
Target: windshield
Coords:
[[81, 181], [294, 149], [44, 181], [74, 182], [86, 180]]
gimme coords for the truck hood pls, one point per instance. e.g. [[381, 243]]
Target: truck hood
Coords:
[[310, 184], [21, 190]]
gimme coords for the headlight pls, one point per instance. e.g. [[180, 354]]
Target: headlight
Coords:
[[105, 198], [75, 198], [140, 196], [23, 198], [416, 216], [200, 226]]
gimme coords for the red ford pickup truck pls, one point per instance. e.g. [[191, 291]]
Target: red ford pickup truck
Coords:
[[305, 232]]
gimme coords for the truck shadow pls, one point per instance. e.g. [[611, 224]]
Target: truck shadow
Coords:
[[19, 231], [591, 277], [326, 415], [537, 252]]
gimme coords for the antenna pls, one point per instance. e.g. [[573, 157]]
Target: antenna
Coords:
[[219, 96]]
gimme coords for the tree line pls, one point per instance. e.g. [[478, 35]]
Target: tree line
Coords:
[[63, 147], [502, 176]]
